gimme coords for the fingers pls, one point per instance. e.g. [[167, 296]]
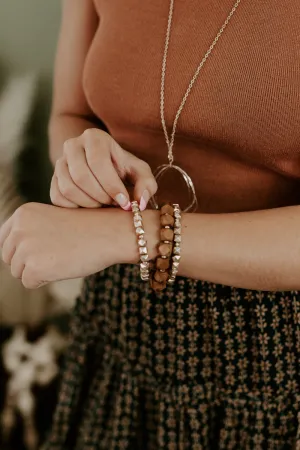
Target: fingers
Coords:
[[112, 184], [27, 279], [8, 250], [8, 245], [92, 172], [11, 258], [5, 231], [17, 267], [105, 172], [145, 185], [68, 188], [57, 198], [82, 175]]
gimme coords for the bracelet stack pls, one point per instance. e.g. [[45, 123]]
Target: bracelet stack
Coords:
[[166, 265]]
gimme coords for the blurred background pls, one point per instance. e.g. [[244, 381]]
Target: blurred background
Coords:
[[28, 35], [33, 325]]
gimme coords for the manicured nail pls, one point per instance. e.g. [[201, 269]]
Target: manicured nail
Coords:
[[144, 200], [123, 201], [127, 207]]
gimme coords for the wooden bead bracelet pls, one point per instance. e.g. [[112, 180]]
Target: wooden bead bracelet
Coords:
[[163, 263]]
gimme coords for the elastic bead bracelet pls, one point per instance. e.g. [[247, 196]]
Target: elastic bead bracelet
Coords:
[[165, 248], [176, 255], [142, 243]]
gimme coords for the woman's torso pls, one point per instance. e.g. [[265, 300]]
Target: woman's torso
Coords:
[[239, 134]]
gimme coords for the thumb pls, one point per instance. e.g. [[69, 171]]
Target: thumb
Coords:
[[145, 185]]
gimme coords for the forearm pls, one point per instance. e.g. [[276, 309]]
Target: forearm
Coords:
[[254, 250], [63, 127]]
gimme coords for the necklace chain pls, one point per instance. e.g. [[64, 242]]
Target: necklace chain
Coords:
[[170, 140]]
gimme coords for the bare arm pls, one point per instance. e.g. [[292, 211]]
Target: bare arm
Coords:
[[256, 250], [90, 167], [71, 114], [253, 250]]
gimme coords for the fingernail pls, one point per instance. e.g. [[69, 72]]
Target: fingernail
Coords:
[[123, 201], [127, 207], [144, 200]]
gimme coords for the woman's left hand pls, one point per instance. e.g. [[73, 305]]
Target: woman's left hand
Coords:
[[45, 243]]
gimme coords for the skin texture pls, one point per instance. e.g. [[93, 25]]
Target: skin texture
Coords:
[[257, 250], [87, 177], [44, 243]]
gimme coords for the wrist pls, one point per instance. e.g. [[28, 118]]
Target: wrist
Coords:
[[128, 251]]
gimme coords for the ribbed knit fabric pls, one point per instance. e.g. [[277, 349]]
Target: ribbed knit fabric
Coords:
[[239, 134]]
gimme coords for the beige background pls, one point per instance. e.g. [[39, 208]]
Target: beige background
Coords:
[[28, 33]]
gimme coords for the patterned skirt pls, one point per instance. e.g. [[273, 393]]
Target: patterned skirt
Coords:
[[198, 367]]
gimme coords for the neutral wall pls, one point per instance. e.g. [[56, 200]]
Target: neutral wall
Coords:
[[28, 36], [28, 33]]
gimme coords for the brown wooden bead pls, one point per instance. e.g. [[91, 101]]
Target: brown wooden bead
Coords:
[[167, 209], [166, 219], [156, 286], [166, 234], [165, 249], [161, 276], [162, 263]]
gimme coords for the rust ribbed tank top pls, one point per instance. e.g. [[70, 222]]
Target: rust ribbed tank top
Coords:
[[239, 134]]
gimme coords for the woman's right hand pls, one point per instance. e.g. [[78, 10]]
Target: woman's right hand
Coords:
[[92, 172]]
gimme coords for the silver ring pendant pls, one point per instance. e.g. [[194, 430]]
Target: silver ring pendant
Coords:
[[161, 170]]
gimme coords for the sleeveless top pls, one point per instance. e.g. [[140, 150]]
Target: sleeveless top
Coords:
[[239, 134], [199, 366]]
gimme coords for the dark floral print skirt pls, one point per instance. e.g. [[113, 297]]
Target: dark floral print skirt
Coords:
[[198, 367]]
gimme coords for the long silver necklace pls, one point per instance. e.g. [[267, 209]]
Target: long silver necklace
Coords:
[[161, 170]]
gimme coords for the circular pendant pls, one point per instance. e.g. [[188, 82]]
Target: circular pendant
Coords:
[[161, 170]]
